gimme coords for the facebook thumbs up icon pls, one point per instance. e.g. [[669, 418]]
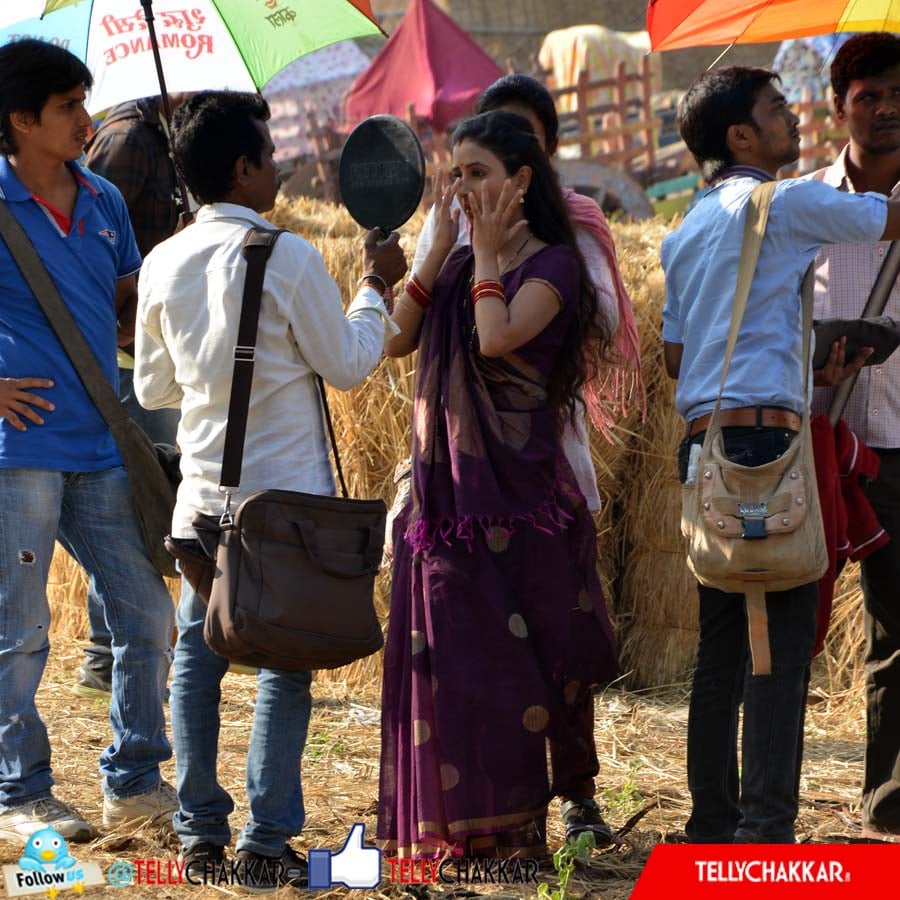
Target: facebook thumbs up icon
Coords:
[[353, 866]]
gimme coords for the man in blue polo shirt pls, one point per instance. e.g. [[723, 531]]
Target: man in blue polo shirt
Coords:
[[740, 130], [61, 475]]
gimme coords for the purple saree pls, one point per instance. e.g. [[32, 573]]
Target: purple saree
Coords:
[[498, 625]]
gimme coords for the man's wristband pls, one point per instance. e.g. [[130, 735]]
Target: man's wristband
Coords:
[[371, 276]]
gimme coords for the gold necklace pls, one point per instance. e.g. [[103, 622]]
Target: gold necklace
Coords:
[[515, 255]]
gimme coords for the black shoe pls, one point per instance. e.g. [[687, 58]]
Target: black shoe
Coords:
[[582, 814], [260, 874], [202, 861]]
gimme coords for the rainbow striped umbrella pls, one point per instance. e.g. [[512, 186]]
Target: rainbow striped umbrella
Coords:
[[692, 23]]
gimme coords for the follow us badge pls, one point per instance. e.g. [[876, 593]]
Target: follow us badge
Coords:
[[47, 867]]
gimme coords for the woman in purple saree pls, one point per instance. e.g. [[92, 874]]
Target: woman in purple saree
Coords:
[[498, 626]]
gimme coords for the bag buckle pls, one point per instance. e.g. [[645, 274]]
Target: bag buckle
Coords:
[[244, 353], [753, 522], [226, 520]]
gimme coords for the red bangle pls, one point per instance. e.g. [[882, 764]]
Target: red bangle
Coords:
[[389, 300], [487, 288], [418, 293]]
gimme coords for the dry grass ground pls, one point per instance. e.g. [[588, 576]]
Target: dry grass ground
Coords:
[[640, 730], [640, 739]]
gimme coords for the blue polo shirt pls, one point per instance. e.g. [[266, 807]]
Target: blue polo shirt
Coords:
[[701, 260], [86, 265]]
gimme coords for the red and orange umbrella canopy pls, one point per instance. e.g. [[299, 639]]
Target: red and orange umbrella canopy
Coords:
[[692, 23]]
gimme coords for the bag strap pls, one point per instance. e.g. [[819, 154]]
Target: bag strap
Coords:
[[331, 437], [754, 231], [257, 248], [83, 360]]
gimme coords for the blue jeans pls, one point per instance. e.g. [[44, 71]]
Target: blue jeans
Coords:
[[760, 804], [280, 723], [93, 515], [161, 426]]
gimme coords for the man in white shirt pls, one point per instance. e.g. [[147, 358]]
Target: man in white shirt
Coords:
[[190, 299], [865, 76]]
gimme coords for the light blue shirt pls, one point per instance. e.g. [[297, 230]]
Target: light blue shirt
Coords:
[[700, 261]]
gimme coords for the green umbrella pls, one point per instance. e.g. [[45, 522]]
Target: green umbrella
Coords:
[[205, 44]]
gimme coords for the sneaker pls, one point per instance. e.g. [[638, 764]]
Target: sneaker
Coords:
[[260, 874], [581, 814], [20, 822], [156, 807], [93, 684], [202, 861]]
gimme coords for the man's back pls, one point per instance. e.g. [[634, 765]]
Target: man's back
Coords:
[[130, 149], [191, 289], [701, 261]]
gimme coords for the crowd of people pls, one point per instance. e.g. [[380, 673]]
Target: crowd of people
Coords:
[[523, 329]]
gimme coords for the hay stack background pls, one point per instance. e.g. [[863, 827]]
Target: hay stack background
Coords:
[[649, 590]]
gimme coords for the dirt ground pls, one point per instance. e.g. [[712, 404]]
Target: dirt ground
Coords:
[[640, 738]]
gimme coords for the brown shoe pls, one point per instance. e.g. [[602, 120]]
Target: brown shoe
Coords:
[[874, 833]]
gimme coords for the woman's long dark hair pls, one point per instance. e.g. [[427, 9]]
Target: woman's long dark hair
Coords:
[[513, 141]]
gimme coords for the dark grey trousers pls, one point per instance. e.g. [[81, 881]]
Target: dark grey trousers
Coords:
[[881, 592]]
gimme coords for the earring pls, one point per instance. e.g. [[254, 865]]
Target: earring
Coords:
[[522, 199]]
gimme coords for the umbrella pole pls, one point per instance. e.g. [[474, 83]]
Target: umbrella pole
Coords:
[[875, 305], [164, 96]]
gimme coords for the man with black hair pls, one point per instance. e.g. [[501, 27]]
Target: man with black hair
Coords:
[[61, 474], [190, 300], [865, 77], [741, 131]]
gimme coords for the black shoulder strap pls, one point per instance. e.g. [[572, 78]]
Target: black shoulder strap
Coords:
[[257, 249]]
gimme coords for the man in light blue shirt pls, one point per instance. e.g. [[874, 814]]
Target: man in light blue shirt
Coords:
[[739, 128]]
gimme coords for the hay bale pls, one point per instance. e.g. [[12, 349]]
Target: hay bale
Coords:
[[656, 600], [840, 668]]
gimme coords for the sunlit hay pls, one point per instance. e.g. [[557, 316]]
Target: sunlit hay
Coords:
[[66, 594], [840, 668], [656, 612], [640, 743]]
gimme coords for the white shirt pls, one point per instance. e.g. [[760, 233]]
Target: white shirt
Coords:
[[575, 441], [845, 274], [190, 293]]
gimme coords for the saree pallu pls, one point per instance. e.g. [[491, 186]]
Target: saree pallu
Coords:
[[498, 627]]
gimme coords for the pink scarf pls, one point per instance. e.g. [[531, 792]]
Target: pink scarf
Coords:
[[618, 384]]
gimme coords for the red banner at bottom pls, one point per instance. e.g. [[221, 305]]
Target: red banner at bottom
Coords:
[[770, 871]]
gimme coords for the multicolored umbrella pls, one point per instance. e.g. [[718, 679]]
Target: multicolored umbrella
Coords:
[[202, 44], [692, 23]]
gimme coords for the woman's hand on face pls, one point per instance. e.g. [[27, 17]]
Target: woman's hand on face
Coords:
[[492, 225], [446, 216]]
